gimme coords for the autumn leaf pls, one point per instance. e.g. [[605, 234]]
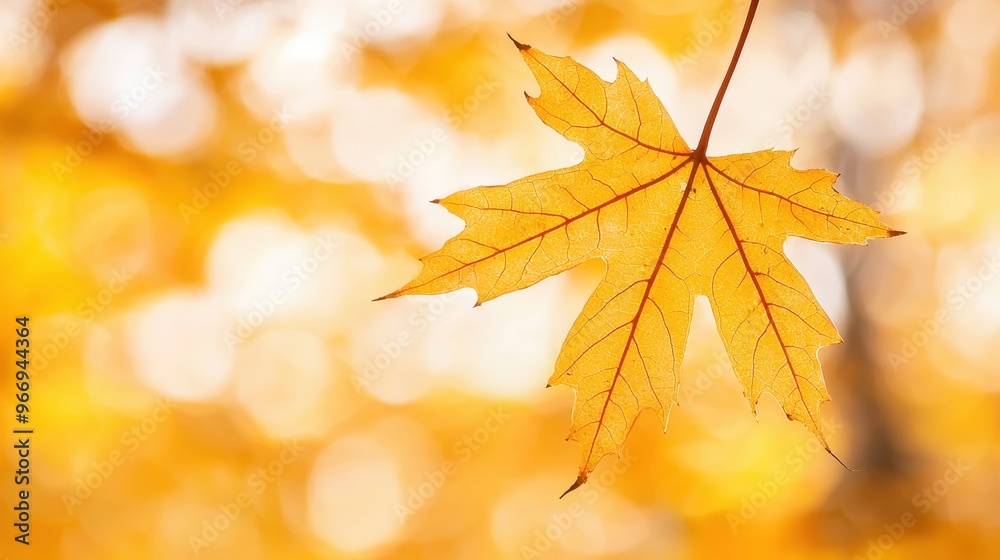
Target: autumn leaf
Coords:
[[671, 223]]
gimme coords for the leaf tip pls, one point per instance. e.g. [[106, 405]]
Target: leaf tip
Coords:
[[895, 233], [436, 201], [520, 46], [579, 482], [834, 455]]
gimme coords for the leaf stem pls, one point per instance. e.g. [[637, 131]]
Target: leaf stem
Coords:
[[700, 151]]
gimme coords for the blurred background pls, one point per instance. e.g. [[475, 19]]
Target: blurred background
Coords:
[[201, 197]]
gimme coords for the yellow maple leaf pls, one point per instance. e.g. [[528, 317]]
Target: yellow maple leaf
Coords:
[[671, 223]]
